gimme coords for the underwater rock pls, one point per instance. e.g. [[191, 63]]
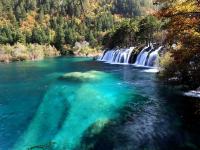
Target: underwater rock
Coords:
[[83, 76]]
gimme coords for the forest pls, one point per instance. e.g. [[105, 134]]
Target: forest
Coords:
[[61, 23]]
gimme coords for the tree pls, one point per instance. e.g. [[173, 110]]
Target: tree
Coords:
[[147, 27], [60, 38], [131, 8], [40, 35], [20, 37], [183, 30], [91, 39], [20, 12], [124, 35], [7, 35], [41, 15], [30, 5]]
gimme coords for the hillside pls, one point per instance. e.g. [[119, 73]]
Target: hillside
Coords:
[[63, 22]]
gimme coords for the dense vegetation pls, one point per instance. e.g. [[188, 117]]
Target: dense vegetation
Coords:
[[181, 62], [20, 52], [63, 22], [132, 8], [134, 32]]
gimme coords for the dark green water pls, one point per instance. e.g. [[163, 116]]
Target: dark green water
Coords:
[[102, 107]]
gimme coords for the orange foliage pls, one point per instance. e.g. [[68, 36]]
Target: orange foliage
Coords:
[[29, 23], [183, 29]]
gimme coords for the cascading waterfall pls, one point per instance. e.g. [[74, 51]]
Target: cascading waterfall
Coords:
[[117, 56], [153, 57], [141, 58], [147, 57]]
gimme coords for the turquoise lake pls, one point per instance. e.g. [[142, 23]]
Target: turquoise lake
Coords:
[[70, 103]]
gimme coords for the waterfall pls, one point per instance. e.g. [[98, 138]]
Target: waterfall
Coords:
[[148, 56], [141, 58], [116, 56], [153, 57]]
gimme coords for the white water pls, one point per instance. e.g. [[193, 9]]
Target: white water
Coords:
[[146, 58], [151, 70], [141, 58], [121, 56], [153, 57], [193, 94]]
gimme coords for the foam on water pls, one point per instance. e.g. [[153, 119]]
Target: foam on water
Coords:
[[152, 70], [193, 94]]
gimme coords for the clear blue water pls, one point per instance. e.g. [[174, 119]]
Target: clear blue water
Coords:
[[104, 107]]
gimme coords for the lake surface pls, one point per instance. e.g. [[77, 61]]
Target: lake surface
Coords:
[[117, 107]]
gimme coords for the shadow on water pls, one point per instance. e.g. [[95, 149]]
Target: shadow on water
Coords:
[[162, 120]]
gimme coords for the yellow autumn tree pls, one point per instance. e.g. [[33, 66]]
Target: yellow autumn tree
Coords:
[[183, 39]]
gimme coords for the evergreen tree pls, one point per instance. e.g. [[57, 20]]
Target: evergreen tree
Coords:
[[41, 15], [20, 12], [60, 38], [40, 35], [91, 39], [20, 37], [148, 26], [7, 35], [69, 36]]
